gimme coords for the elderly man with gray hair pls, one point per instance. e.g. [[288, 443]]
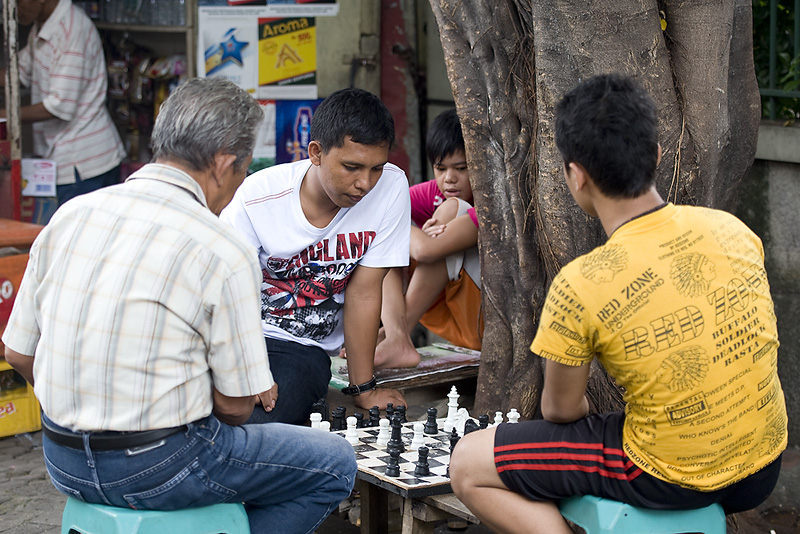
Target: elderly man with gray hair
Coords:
[[137, 322]]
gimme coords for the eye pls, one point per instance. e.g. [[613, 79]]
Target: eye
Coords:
[[350, 168]]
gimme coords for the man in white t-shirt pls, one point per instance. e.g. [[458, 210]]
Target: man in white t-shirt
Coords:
[[327, 230]]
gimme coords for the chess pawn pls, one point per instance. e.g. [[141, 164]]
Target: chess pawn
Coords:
[[513, 416], [374, 416], [316, 419], [483, 420], [359, 420], [389, 410], [452, 409], [401, 411], [393, 465], [351, 435], [418, 440], [431, 426], [498, 418], [383, 433], [423, 468], [325, 426]]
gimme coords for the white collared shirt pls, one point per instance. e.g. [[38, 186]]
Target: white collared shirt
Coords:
[[136, 299], [64, 66]]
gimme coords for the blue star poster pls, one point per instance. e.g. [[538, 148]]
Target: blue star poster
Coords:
[[229, 48]]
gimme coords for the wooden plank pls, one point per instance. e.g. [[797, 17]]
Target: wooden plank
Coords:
[[450, 504], [374, 509]]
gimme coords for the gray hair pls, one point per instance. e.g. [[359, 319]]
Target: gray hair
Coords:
[[204, 117]]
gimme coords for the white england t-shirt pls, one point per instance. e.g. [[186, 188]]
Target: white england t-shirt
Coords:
[[305, 269]]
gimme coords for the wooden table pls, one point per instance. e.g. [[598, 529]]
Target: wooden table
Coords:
[[424, 499], [419, 514]]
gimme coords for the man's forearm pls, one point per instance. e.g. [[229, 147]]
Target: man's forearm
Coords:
[[22, 363]]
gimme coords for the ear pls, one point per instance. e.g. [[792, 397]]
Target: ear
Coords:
[[578, 175], [658, 160], [222, 163], [315, 152]]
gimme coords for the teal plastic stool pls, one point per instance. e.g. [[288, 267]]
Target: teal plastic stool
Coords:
[[604, 516], [82, 518]]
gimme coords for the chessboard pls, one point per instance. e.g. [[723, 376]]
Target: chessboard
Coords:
[[372, 461]]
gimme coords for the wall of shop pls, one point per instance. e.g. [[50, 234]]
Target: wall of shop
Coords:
[[768, 202]]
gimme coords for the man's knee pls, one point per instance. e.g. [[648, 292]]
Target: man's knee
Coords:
[[472, 461]]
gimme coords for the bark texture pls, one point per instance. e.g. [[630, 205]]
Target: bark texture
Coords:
[[509, 62]]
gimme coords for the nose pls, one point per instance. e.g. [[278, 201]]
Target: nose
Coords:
[[449, 176], [362, 182]]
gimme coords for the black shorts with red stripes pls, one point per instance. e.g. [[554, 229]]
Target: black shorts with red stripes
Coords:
[[548, 462]]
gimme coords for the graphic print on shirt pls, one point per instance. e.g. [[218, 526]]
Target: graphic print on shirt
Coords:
[[684, 369], [303, 295], [604, 263], [692, 274]]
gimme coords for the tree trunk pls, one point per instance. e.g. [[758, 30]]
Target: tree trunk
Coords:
[[509, 62]]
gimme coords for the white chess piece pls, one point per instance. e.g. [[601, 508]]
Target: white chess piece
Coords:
[[383, 433], [418, 440], [452, 409], [316, 419], [325, 425], [351, 435], [513, 416], [461, 420], [498, 418]]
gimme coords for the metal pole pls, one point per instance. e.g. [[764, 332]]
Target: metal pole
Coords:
[[13, 125]]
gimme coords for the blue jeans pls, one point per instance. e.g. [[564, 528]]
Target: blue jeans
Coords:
[[81, 187], [302, 374], [290, 478]]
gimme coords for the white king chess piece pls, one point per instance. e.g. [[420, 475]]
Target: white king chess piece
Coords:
[[452, 409]]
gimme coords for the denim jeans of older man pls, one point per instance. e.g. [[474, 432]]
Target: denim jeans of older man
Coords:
[[290, 478]]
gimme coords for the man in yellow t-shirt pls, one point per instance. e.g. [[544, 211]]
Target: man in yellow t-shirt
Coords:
[[677, 308]]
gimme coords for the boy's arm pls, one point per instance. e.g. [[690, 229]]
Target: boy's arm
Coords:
[[564, 394], [459, 234], [362, 310]]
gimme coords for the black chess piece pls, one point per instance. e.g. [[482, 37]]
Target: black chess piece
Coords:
[[401, 411], [337, 418], [454, 437], [360, 423], [389, 410], [431, 427], [396, 439], [470, 426], [374, 416], [423, 468], [393, 465], [483, 421]]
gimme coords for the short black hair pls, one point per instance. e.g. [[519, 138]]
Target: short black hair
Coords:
[[353, 113], [608, 125], [444, 137]]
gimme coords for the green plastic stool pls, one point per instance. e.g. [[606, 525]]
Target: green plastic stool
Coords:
[[82, 518], [604, 516]]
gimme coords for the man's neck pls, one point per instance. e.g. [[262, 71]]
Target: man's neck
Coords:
[[614, 212], [318, 208]]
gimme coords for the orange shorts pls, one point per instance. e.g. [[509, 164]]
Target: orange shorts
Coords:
[[456, 315]]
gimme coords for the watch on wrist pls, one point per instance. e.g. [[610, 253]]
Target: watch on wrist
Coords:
[[361, 388]]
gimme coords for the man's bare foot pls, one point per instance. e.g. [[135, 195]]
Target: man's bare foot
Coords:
[[381, 337], [396, 352]]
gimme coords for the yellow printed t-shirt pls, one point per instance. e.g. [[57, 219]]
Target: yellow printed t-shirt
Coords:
[[677, 308]]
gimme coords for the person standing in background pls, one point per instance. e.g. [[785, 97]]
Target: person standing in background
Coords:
[[64, 66]]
